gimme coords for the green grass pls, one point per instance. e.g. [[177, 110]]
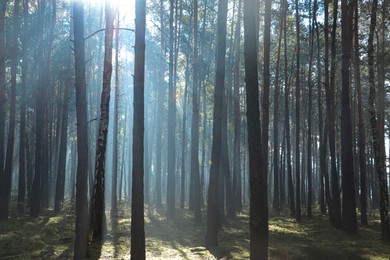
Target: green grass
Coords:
[[51, 237]]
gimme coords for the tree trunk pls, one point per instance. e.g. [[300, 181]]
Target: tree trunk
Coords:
[[171, 186], [98, 196], [81, 240], [378, 155], [298, 216], [195, 123], [115, 147], [7, 180], [258, 219], [348, 182], [137, 199], [22, 130], [277, 182], [212, 205]]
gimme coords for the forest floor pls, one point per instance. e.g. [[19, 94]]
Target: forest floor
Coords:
[[51, 237]]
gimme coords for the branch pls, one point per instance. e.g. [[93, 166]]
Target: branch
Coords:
[[101, 30]]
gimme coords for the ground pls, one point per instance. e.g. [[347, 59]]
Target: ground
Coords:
[[51, 237]]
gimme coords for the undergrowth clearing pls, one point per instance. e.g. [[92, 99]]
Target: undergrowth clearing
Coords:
[[51, 237]]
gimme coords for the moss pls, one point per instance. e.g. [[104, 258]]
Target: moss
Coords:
[[51, 236]]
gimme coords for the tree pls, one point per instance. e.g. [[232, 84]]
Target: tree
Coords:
[[3, 9], [378, 155], [258, 205], [298, 216], [361, 130], [212, 204], [7, 180], [348, 183], [81, 240], [137, 199], [171, 187], [22, 129], [98, 195], [195, 123]]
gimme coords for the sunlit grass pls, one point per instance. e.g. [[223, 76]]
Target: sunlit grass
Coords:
[[52, 236]]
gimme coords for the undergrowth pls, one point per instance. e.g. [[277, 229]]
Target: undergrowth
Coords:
[[51, 236]]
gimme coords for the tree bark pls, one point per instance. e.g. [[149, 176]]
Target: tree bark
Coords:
[[137, 199], [81, 240], [98, 195], [212, 205], [348, 182]]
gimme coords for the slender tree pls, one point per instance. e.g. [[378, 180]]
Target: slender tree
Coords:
[[378, 155], [171, 187], [98, 195], [298, 216], [361, 130], [212, 204], [348, 182], [81, 240], [7, 180], [137, 199], [258, 219]]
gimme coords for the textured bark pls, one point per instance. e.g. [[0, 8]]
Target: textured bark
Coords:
[[195, 122], [347, 166], [160, 122], [309, 115], [258, 220], [277, 178], [212, 204], [378, 155], [98, 194], [137, 199], [3, 8], [22, 129], [287, 120], [115, 133], [237, 178], [82, 220], [171, 186], [35, 205], [298, 216], [361, 130], [7, 180]]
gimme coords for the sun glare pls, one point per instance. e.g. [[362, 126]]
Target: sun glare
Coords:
[[120, 3]]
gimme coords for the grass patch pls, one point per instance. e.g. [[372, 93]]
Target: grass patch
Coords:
[[52, 236]]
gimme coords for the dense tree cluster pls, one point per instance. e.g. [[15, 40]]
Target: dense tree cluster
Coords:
[[214, 106]]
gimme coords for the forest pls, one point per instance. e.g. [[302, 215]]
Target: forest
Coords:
[[194, 129]]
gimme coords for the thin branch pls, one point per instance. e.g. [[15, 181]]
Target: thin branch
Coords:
[[101, 30]]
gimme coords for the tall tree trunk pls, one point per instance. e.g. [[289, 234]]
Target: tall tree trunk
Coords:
[[258, 220], [98, 195], [3, 9], [22, 130], [309, 114], [39, 120], [115, 133], [195, 122], [212, 205], [348, 182], [237, 180], [60, 185], [171, 186], [361, 130], [287, 119], [378, 155], [160, 122], [7, 180], [277, 182], [298, 216], [137, 199], [81, 240]]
